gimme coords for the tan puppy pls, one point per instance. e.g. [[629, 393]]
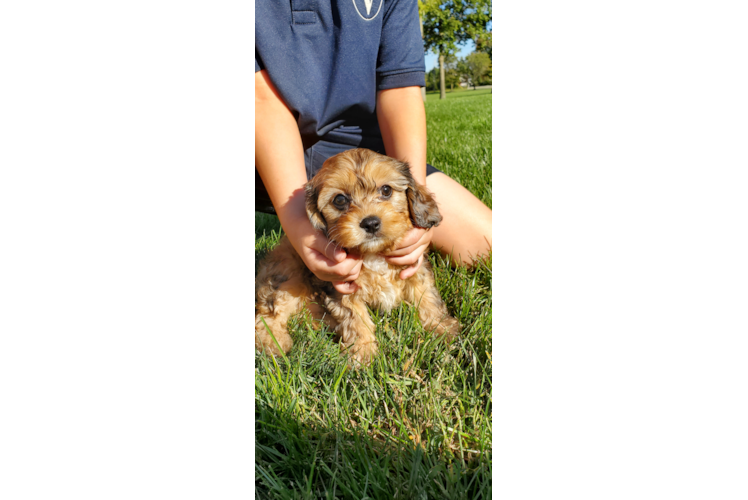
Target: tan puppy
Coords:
[[364, 202]]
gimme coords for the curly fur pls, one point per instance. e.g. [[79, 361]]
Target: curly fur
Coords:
[[284, 285]]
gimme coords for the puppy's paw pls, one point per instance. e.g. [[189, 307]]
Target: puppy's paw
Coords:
[[449, 328], [361, 353], [275, 341]]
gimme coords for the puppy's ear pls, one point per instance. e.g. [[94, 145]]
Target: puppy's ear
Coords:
[[317, 219], [423, 209]]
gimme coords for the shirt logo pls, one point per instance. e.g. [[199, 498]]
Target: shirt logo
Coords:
[[368, 9]]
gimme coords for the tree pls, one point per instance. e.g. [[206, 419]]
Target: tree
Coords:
[[483, 43], [450, 71], [477, 64], [449, 23], [432, 79], [451, 77], [463, 71]]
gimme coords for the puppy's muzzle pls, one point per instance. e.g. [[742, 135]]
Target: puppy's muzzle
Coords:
[[371, 224]]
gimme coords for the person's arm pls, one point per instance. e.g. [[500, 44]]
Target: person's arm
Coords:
[[402, 120], [279, 159]]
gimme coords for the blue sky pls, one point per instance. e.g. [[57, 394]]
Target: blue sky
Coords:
[[432, 60]]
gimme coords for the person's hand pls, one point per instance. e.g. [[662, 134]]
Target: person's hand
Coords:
[[409, 252], [323, 258]]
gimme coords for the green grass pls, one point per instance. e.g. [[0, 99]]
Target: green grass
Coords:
[[459, 138], [417, 422]]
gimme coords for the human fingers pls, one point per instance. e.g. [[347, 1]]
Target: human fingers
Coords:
[[318, 264], [412, 239], [330, 250], [345, 287], [323, 268], [349, 269], [411, 270], [409, 259], [327, 270], [348, 285]]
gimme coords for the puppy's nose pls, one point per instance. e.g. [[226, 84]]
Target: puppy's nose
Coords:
[[371, 224]]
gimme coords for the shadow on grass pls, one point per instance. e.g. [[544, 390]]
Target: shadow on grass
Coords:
[[267, 235], [296, 460]]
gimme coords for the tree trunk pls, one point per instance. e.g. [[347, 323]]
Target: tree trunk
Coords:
[[442, 88]]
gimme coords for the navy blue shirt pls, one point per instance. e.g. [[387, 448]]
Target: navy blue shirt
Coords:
[[328, 58]]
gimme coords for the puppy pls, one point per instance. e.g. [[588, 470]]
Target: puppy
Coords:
[[363, 202]]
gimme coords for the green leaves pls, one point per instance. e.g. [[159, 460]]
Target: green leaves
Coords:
[[448, 23]]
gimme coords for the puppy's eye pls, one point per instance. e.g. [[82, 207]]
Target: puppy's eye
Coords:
[[340, 201], [386, 191]]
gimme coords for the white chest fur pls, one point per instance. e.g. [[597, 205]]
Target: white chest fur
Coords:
[[376, 263], [382, 290]]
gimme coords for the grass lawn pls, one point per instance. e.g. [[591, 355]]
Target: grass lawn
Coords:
[[416, 424]]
